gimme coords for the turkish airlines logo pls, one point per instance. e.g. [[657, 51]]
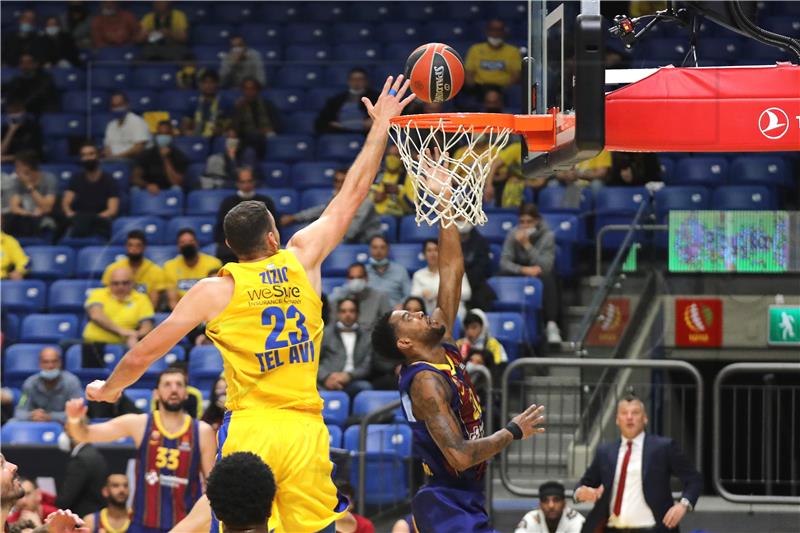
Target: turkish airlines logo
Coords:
[[773, 123]]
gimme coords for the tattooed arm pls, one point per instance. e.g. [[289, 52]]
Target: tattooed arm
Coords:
[[430, 399]]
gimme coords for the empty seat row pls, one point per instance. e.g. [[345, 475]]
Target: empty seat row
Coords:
[[756, 169]]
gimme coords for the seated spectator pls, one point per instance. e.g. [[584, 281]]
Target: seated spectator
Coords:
[[161, 166], [365, 225], [392, 193], [84, 476], [116, 515], [91, 200], [186, 269], [425, 281], [630, 169], [45, 393], [127, 134], [13, 261], [245, 190], [552, 515], [216, 404], [241, 63], [58, 46], [415, 304], [530, 250], [114, 26], [34, 86], [387, 276], [345, 112], [117, 313], [222, 169], [210, 116], [148, 277], [477, 338], [163, 34], [32, 200], [21, 132], [254, 117], [35, 506], [494, 63], [26, 40], [598, 167], [76, 22], [344, 363], [371, 302], [477, 265]]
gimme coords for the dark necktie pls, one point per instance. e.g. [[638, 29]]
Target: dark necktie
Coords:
[[623, 473]]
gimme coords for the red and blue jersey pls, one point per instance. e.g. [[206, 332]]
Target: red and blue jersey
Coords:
[[167, 475], [467, 410]]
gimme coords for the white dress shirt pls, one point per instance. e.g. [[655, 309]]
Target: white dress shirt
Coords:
[[349, 341], [425, 280], [635, 512], [534, 522], [121, 137]]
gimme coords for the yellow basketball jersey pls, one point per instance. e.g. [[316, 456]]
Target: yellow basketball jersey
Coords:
[[270, 336]]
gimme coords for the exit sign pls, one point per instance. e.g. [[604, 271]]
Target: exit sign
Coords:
[[783, 325]]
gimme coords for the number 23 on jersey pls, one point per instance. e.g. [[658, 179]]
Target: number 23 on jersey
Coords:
[[279, 349]]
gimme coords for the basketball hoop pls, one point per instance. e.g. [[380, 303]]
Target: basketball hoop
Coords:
[[449, 156]]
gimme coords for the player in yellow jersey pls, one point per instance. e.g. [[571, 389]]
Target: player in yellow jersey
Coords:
[[264, 315]]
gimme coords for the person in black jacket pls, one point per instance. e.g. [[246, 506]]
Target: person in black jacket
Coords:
[[26, 40], [21, 132], [344, 112], [58, 46], [81, 490], [34, 86]]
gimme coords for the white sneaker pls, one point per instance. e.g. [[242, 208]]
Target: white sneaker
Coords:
[[553, 333]]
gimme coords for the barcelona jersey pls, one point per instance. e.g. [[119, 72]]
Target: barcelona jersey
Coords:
[[167, 475], [102, 525]]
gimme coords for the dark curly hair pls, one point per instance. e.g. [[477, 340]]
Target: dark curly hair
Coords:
[[240, 490], [384, 339]]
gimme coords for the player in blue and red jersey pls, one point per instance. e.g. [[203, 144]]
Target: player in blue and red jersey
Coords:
[[442, 407], [174, 450]]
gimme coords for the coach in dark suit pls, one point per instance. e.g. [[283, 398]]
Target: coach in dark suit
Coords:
[[86, 472], [629, 480], [346, 352]]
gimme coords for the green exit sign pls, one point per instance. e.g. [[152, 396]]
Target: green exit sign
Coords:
[[784, 325]]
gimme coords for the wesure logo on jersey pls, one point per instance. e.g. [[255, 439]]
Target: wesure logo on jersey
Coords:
[[698, 322], [774, 123]]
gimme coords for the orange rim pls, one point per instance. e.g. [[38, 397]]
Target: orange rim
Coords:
[[453, 121]]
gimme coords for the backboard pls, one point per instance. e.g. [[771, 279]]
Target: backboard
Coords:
[[564, 69]]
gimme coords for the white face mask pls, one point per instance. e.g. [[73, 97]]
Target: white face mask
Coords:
[[63, 443], [246, 195], [495, 41], [357, 285]]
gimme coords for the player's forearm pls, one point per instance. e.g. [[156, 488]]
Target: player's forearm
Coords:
[[77, 429], [364, 169], [477, 451], [451, 270]]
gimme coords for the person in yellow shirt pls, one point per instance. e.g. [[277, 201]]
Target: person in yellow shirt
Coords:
[[164, 32], [117, 313], [495, 62], [148, 276], [13, 261], [186, 269], [393, 192], [596, 168]]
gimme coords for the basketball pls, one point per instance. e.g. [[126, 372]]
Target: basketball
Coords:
[[436, 72]]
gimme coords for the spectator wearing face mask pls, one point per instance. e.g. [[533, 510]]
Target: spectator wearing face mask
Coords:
[[148, 277], [345, 112], [494, 63], [186, 269], [530, 250], [25, 40], [44, 394], [385, 275], [216, 406], [210, 115], [222, 169], [254, 117], [114, 26], [91, 200], [34, 86], [21, 132], [344, 363], [58, 47], [162, 166], [127, 134], [241, 63], [372, 303]]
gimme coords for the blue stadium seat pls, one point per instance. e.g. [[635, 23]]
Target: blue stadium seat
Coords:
[[407, 254], [233, 12], [62, 171], [398, 51], [567, 231], [498, 226], [152, 226], [551, 200], [509, 329], [57, 150], [388, 449], [98, 123], [330, 283], [178, 101], [522, 295], [389, 227], [142, 100], [287, 148], [287, 100], [342, 257], [120, 171], [73, 361], [269, 53], [205, 366], [335, 433], [68, 79], [373, 12], [424, 11], [332, 13], [69, 295], [24, 296], [354, 32], [258, 33], [301, 123], [282, 11], [166, 203], [357, 52], [194, 148], [40, 327], [784, 24], [667, 168], [203, 227], [468, 11], [92, 260], [676, 198], [337, 406], [742, 198], [115, 54], [206, 202], [706, 170], [10, 328], [63, 125], [209, 54], [618, 205], [315, 196], [760, 170], [211, 34], [305, 75], [141, 398], [317, 97], [287, 201], [314, 174], [720, 50], [370, 400], [112, 78], [161, 254], [306, 52], [411, 232], [308, 32], [21, 361], [31, 433], [50, 262], [399, 31]]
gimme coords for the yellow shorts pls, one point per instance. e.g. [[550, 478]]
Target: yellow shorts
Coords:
[[296, 446]]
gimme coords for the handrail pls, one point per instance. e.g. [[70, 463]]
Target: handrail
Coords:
[[602, 363], [598, 255], [362, 448], [741, 368]]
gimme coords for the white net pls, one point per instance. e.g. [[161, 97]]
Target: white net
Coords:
[[449, 166]]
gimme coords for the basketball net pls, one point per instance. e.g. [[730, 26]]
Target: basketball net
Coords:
[[448, 167]]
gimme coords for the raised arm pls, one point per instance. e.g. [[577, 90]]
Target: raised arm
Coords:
[[430, 397], [312, 244], [116, 428], [451, 275]]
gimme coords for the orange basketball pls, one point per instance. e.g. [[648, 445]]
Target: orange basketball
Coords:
[[436, 72]]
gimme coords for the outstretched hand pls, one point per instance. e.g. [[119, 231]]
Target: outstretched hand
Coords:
[[389, 105], [529, 420]]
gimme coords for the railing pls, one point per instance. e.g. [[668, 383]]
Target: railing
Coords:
[[630, 228], [556, 454], [762, 418]]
